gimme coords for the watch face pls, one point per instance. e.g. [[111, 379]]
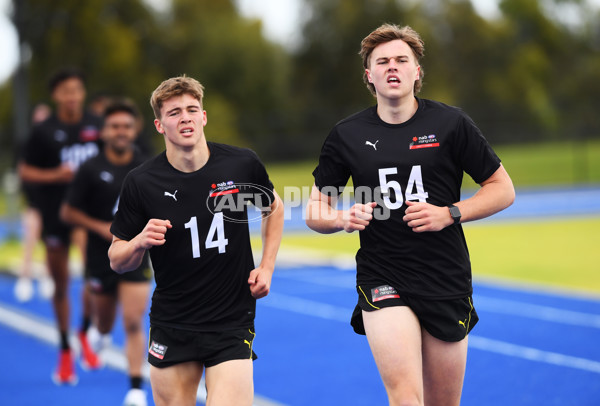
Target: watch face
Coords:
[[455, 213]]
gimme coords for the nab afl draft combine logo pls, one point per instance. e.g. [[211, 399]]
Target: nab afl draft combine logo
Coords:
[[384, 292], [232, 199], [157, 349], [424, 141]]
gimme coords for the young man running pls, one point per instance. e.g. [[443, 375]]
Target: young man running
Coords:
[[52, 154], [91, 203], [406, 157], [187, 207]]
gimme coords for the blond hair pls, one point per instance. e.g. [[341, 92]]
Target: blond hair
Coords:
[[172, 87], [386, 33]]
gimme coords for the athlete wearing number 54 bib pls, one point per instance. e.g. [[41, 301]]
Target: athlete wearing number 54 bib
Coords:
[[187, 207], [406, 157]]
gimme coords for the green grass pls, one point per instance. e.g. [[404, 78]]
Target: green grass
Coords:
[[562, 254]]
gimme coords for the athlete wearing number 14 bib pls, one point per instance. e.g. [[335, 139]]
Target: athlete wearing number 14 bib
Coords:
[[187, 207], [202, 269]]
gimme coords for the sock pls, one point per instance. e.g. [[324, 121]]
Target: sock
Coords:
[[136, 382], [64, 340], [85, 324]]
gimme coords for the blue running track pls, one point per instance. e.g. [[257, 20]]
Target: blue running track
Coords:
[[529, 348]]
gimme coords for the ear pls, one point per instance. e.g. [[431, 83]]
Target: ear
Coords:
[[158, 126], [368, 75], [418, 72]]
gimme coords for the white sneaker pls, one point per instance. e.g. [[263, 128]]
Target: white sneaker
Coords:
[[46, 287], [135, 397], [98, 342], [24, 289]]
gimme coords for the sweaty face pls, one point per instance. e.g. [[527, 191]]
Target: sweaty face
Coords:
[[119, 131], [393, 70], [182, 121], [69, 95]]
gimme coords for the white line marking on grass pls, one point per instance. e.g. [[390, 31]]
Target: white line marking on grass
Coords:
[[538, 312], [533, 354], [113, 357], [330, 312]]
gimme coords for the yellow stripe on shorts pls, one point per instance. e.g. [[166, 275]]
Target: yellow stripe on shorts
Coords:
[[367, 299]]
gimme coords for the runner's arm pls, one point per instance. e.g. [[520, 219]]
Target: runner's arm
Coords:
[[271, 232], [322, 217], [496, 193], [76, 217], [125, 256], [34, 174]]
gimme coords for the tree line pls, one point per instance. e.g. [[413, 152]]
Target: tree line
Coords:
[[525, 75]]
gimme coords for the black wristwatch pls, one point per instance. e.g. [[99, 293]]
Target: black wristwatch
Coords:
[[454, 213]]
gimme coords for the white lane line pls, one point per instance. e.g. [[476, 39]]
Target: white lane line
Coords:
[[337, 313], [306, 307], [538, 312], [486, 303], [533, 354], [112, 357]]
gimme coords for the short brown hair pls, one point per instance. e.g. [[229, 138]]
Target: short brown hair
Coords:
[[172, 87], [386, 33]]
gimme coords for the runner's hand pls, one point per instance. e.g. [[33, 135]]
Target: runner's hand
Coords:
[[154, 233], [423, 217], [358, 216], [260, 282]]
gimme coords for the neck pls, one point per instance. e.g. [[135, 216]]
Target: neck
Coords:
[[188, 159], [69, 116], [118, 158], [397, 111]]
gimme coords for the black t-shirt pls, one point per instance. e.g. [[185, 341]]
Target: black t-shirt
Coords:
[[422, 159], [53, 143], [202, 270], [95, 191]]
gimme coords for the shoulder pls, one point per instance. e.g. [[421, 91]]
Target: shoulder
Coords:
[[366, 115], [231, 151], [45, 127], [441, 110], [353, 125], [93, 163], [147, 167]]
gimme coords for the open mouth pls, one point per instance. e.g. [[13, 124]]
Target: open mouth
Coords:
[[393, 79]]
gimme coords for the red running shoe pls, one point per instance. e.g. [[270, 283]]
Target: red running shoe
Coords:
[[89, 359], [65, 372]]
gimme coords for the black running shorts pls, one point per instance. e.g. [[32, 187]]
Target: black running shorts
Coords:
[[169, 346], [54, 231], [447, 320], [105, 281]]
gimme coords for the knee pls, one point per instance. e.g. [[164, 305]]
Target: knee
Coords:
[[60, 291], [132, 326], [401, 395]]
